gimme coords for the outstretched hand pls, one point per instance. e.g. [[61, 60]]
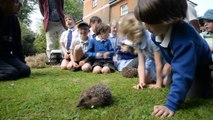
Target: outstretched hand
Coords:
[[162, 111], [139, 86]]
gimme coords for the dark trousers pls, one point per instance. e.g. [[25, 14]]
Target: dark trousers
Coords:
[[11, 68], [203, 85]]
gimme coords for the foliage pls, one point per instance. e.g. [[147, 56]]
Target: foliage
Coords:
[[51, 93], [27, 37], [40, 42], [74, 7], [26, 9]]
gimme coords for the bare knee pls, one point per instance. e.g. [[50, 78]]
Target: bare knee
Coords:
[[64, 64], [105, 70], [86, 67], [97, 69]]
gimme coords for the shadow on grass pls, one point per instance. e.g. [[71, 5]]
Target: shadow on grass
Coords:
[[195, 103]]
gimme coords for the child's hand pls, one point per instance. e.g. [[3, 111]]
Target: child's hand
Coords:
[[75, 65], [154, 86], [81, 63], [98, 55], [106, 55], [139, 86], [162, 111]]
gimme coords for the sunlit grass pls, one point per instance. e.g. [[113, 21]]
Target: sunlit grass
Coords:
[[51, 93]]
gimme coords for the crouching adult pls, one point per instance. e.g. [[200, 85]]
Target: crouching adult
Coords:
[[12, 61]]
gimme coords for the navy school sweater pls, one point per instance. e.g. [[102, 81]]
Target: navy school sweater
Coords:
[[187, 53]]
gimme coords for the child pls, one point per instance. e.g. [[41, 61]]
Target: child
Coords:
[[208, 24], [125, 55], [94, 21], [66, 40], [113, 36], [101, 50], [181, 46], [149, 59], [12, 60], [79, 47]]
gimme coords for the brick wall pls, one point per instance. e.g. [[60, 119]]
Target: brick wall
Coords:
[[101, 10], [104, 11], [115, 10]]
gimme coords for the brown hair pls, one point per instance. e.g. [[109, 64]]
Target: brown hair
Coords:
[[160, 11], [94, 19], [131, 28], [70, 16], [102, 28]]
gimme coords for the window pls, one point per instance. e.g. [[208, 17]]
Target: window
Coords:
[[94, 3], [124, 9]]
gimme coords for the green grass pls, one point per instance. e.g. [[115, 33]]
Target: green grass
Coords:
[[52, 93]]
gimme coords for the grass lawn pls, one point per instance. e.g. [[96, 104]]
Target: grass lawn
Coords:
[[51, 93]]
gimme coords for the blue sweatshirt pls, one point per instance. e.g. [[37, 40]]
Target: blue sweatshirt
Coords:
[[96, 46], [187, 52]]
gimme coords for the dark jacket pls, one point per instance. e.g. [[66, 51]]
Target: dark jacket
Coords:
[[44, 9], [10, 37]]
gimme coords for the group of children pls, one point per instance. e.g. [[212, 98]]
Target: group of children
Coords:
[[154, 38], [99, 49], [158, 41]]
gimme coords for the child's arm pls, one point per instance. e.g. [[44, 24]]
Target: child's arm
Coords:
[[141, 70], [62, 45], [82, 62], [158, 64], [90, 49], [74, 64], [110, 52], [116, 58]]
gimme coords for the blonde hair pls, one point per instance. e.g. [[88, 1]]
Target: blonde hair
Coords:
[[131, 28]]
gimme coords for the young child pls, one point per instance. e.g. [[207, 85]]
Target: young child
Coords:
[[113, 36], [79, 47], [208, 24], [101, 50], [94, 21], [149, 59], [66, 40], [181, 46], [12, 60], [125, 55]]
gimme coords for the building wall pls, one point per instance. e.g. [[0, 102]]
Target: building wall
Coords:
[[115, 10], [105, 11], [101, 10]]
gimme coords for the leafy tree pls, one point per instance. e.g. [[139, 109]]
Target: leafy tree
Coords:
[[27, 37], [26, 9], [40, 42], [74, 7]]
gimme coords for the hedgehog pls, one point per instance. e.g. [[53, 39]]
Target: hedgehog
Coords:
[[97, 96], [129, 72]]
